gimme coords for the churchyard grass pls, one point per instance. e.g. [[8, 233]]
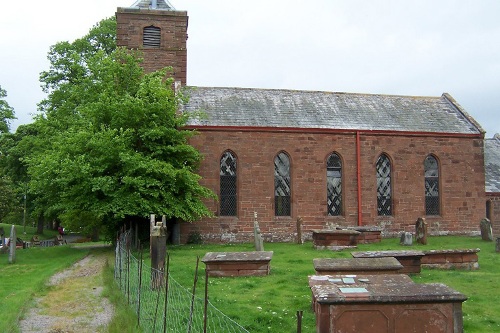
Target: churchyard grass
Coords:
[[30, 232], [27, 276], [260, 304], [270, 303]]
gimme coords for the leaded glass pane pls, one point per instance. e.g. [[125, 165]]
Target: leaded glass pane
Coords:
[[334, 185], [282, 191], [431, 171], [384, 195], [228, 197]]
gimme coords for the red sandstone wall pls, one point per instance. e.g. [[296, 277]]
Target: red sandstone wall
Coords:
[[173, 25], [461, 176]]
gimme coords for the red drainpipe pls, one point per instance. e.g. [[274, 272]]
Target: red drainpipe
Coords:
[[358, 161]]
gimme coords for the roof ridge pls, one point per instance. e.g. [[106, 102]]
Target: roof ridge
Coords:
[[316, 91]]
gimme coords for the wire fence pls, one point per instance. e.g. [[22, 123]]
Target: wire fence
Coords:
[[161, 303]]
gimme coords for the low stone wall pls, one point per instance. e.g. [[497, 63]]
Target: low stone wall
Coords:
[[466, 259]]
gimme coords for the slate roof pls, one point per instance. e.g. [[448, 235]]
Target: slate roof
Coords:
[[492, 164], [148, 4], [245, 107]]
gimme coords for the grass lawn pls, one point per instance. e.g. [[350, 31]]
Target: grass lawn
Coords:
[[20, 281], [30, 231], [260, 304], [270, 303]]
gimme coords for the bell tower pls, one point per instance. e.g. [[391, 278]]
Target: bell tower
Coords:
[[159, 31]]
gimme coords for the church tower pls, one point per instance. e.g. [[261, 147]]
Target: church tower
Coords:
[[159, 31]]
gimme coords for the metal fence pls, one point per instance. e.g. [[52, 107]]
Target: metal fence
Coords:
[[161, 303]]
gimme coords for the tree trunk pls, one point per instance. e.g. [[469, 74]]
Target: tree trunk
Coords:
[[39, 226]]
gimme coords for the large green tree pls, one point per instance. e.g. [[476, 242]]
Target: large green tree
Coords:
[[111, 140], [8, 193], [6, 112]]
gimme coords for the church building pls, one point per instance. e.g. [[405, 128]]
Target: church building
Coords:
[[326, 159]]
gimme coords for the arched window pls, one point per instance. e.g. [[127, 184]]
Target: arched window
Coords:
[[431, 171], [282, 190], [384, 191], [334, 185], [151, 37], [228, 197]]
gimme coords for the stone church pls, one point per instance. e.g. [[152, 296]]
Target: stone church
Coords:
[[328, 159]]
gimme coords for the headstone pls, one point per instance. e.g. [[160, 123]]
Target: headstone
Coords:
[[498, 245], [12, 244], [486, 231], [406, 238], [259, 242], [299, 231], [421, 231]]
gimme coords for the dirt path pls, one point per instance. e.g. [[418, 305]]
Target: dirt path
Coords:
[[74, 302]]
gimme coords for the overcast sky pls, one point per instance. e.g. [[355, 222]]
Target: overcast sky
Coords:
[[410, 47]]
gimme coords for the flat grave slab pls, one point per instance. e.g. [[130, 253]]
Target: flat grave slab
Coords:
[[383, 265], [410, 259], [332, 239], [385, 303], [368, 234], [466, 259], [253, 263]]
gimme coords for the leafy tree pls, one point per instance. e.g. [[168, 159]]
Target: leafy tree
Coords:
[[6, 112], [111, 140]]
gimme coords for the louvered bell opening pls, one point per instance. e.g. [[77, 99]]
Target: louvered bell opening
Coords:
[[151, 37]]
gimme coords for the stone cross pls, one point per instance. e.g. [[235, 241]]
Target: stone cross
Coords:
[[486, 231], [12, 245], [421, 231]]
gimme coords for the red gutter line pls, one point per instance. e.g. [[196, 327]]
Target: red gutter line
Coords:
[[328, 131]]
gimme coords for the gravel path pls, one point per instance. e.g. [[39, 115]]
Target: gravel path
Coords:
[[74, 302]]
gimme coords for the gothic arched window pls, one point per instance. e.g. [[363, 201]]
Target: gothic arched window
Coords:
[[282, 185], [334, 185], [384, 187], [228, 193], [431, 171]]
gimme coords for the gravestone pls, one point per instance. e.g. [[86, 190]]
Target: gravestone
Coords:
[[299, 231], [498, 245], [12, 245], [259, 242], [421, 231], [486, 231], [406, 238]]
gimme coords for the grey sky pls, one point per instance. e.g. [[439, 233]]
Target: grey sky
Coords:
[[410, 47]]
